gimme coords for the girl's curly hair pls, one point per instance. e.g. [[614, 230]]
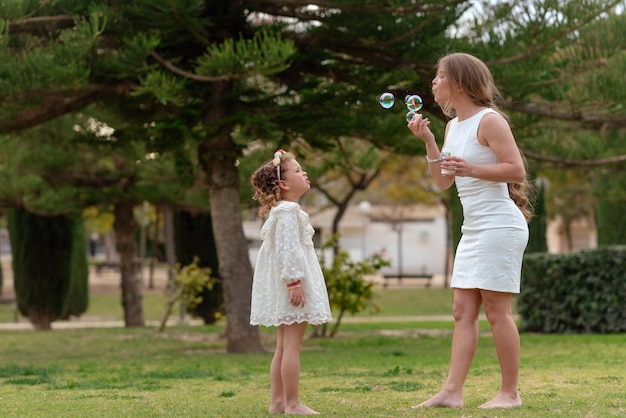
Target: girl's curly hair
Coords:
[[266, 183]]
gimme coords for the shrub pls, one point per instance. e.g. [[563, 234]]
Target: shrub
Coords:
[[188, 287], [349, 291], [581, 292]]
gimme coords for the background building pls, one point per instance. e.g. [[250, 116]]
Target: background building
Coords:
[[412, 238]]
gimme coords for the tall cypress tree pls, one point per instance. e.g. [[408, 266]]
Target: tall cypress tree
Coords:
[[42, 253], [194, 238], [537, 240], [78, 297], [611, 201]]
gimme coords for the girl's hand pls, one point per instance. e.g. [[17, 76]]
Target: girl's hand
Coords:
[[419, 126], [296, 297]]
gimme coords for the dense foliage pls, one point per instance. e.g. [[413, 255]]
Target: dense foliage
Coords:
[[581, 292]]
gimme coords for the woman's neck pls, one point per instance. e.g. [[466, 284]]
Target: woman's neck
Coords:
[[465, 108]]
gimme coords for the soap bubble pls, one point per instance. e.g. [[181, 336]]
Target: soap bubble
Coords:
[[413, 102], [387, 100], [410, 115]]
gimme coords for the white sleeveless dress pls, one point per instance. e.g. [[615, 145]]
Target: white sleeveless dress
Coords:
[[494, 231], [287, 254]]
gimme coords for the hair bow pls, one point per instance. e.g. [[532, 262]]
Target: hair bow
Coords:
[[278, 156]]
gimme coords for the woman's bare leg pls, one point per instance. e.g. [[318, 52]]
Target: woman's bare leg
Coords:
[[464, 340], [290, 369], [506, 339]]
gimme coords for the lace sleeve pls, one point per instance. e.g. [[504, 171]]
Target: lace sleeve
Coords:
[[290, 253]]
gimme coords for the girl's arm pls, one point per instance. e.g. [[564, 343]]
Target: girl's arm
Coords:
[[289, 249]]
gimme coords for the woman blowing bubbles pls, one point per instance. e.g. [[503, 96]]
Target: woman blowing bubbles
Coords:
[[490, 177]]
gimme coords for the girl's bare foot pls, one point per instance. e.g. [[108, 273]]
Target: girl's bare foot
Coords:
[[300, 409], [277, 408], [503, 400], [443, 399]]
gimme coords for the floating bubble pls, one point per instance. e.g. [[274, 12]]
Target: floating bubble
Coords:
[[413, 102], [387, 100], [410, 115]]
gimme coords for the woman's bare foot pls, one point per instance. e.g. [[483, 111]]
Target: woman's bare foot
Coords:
[[503, 400], [443, 399], [300, 410]]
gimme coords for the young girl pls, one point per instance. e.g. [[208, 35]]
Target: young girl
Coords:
[[288, 289]]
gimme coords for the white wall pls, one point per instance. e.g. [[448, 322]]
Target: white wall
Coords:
[[418, 249]]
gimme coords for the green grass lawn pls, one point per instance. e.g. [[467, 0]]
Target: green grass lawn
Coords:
[[370, 369]]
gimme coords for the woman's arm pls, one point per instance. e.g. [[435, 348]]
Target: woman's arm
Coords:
[[493, 132], [419, 127]]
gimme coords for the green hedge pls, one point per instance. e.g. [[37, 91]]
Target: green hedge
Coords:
[[583, 292]]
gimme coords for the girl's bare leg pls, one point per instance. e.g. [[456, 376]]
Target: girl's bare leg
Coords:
[[506, 339], [464, 340], [290, 369], [277, 405]]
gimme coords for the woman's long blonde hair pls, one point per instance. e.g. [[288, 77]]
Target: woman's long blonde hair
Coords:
[[266, 183], [519, 193], [473, 78]]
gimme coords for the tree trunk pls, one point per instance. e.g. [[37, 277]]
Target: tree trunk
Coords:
[[40, 319], [218, 156], [125, 227], [235, 269]]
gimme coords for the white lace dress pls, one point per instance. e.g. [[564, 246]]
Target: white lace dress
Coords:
[[288, 254], [495, 233]]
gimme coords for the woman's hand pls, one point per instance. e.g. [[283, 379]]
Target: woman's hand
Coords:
[[456, 165], [419, 127]]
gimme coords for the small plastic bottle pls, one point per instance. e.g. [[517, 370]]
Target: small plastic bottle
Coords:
[[445, 154]]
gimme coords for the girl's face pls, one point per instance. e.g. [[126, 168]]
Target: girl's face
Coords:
[[441, 87], [294, 180]]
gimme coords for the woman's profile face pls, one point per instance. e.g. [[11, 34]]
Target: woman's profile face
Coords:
[[441, 87]]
